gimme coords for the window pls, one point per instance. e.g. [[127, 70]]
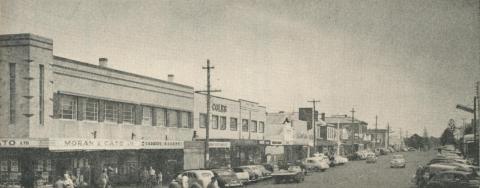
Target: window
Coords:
[[91, 110], [111, 111], [172, 118], [261, 127], [203, 120], [147, 116], [68, 107], [244, 125], [214, 122], [233, 124], [12, 92], [223, 123], [185, 119], [254, 126], [160, 115], [127, 113], [41, 94]]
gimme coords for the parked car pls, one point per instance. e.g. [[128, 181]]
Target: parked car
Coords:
[[294, 173], [316, 164], [227, 177], [339, 160], [196, 178], [457, 179], [398, 161], [371, 158], [258, 173], [240, 171], [265, 173]]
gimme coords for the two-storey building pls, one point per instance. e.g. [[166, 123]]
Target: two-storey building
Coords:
[[59, 115], [236, 133], [353, 132]]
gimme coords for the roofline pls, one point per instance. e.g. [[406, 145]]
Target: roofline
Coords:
[[118, 71]]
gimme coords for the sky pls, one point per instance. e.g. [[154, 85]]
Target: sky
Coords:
[[408, 61]]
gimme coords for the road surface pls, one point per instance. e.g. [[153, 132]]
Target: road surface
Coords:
[[359, 174]]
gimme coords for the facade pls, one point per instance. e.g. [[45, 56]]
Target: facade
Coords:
[[62, 116], [353, 133], [289, 136], [237, 130], [378, 137]]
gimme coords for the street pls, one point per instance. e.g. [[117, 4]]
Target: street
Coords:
[[359, 174]]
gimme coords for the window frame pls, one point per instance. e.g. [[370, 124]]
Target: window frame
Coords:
[[254, 127], [261, 128], [223, 122], [245, 125], [72, 100], [157, 116], [131, 119], [87, 115], [215, 119], [113, 112], [233, 128], [147, 120], [170, 119], [202, 124]]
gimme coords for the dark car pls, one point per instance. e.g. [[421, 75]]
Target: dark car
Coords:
[[457, 179], [227, 178], [293, 173]]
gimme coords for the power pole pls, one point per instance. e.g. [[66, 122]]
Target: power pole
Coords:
[[353, 121], [388, 135], [375, 144], [314, 127], [207, 128]]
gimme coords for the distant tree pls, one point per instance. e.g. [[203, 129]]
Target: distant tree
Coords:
[[415, 141], [447, 137]]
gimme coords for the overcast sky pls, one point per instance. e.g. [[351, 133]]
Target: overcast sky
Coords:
[[408, 61]]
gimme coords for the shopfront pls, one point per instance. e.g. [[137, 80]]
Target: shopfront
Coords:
[[247, 152]]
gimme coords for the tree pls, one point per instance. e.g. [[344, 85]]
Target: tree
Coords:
[[447, 137]]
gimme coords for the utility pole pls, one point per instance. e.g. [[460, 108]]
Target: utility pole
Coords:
[[314, 127], [388, 135], [375, 144], [207, 128], [351, 128]]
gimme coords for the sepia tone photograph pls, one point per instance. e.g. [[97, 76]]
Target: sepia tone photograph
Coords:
[[239, 93]]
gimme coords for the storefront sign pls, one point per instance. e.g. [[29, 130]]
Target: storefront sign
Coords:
[[19, 143], [162, 144], [219, 108], [276, 142], [92, 144], [219, 144], [264, 142]]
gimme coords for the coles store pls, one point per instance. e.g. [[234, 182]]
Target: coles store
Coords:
[[236, 131]]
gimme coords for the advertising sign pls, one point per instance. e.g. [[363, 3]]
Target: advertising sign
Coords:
[[92, 144], [161, 144], [219, 144], [20, 143]]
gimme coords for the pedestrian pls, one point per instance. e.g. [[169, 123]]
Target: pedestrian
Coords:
[[160, 178], [144, 177], [185, 181], [151, 177], [67, 181], [103, 179], [59, 183]]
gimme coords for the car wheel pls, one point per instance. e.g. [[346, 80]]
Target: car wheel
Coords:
[[323, 170]]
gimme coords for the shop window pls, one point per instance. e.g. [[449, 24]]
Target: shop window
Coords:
[[185, 119], [12, 92], [203, 120], [261, 127], [160, 115], [111, 111], [245, 125], [214, 122], [147, 116], [127, 113], [254, 126], [233, 124], [172, 118], [91, 110], [68, 107], [223, 123]]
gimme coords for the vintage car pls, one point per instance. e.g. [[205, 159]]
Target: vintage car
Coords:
[[339, 160], [371, 158], [256, 171], [454, 179], [244, 172], [265, 173], [315, 164], [227, 177], [398, 162], [294, 173], [196, 178]]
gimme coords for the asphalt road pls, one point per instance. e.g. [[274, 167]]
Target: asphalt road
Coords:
[[359, 174]]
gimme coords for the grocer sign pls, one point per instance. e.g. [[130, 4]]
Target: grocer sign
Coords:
[[161, 144], [19, 143]]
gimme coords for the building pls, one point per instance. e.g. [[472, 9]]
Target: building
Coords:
[[237, 130], [378, 137], [290, 140], [353, 133], [58, 116]]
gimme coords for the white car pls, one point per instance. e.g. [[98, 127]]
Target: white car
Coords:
[[397, 161], [316, 164], [196, 178], [339, 160]]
